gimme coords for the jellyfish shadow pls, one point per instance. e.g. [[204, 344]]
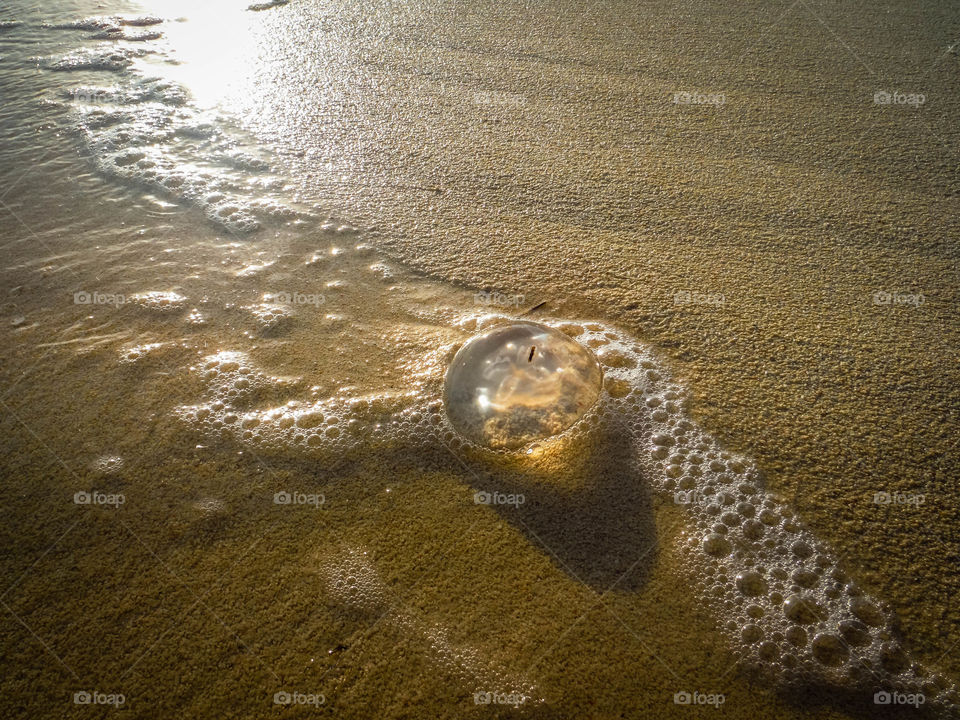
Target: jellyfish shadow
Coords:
[[596, 524], [603, 533]]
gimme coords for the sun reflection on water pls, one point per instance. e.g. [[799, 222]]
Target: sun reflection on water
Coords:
[[212, 48]]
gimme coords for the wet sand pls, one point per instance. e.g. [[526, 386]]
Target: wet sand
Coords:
[[530, 152]]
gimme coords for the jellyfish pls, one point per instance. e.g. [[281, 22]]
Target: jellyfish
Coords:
[[519, 383]]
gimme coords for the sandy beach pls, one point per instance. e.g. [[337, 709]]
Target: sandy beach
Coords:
[[241, 247]]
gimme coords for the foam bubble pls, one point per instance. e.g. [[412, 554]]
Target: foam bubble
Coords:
[[162, 301], [210, 507], [271, 317], [108, 464], [127, 35], [382, 271], [102, 23], [136, 353], [108, 57]]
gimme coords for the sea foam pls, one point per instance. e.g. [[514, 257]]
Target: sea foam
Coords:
[[786, 606]]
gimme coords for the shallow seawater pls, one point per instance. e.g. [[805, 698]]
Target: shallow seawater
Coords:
[[242, 243]]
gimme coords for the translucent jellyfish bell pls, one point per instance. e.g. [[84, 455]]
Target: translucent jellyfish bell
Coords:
[[518, 383]]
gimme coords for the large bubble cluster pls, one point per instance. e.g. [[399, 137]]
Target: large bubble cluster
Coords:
[[790, 611], [329, 427]]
